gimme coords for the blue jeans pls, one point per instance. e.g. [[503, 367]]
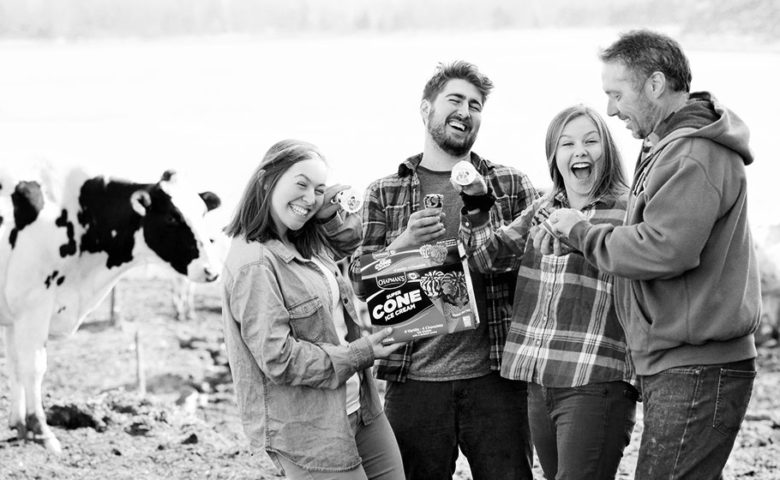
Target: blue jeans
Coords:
[[692, 416], [487, 417], [581, 432]]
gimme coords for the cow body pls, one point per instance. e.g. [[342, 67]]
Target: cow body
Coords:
[[65, 240]]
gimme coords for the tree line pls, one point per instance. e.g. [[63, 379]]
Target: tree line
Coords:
[[73, 19]]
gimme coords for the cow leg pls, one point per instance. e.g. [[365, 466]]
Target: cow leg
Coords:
[[183, 296], [17, 413], [30, 363]]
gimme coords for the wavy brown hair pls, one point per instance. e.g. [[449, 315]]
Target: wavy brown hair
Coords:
[[461, 70], [252, 218]]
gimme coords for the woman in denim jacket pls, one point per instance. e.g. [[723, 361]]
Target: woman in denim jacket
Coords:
[[299, 363]]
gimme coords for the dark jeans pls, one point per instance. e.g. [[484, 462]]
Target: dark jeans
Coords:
[[487, 417], [692, 416], [580, 432]]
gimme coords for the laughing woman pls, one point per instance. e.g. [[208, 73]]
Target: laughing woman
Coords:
[[300, 366], [564, 338]]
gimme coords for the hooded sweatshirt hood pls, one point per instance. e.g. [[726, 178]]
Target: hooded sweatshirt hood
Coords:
[[711, 120]]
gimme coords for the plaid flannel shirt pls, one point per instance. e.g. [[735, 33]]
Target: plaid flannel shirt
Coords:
[[388, 203], [564, 330]]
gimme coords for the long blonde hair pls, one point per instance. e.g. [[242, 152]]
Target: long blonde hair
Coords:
[[613, 179]]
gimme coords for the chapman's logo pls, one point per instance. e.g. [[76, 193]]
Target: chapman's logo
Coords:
[[390, 283]]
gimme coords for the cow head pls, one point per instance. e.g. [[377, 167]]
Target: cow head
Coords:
[[173, 226]]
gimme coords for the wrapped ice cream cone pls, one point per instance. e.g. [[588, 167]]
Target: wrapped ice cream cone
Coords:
[[438, 304], [431, 285], [451, 320], [463, 173]]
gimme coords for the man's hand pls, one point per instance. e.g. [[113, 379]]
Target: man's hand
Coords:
[[425, 226], [564, 219], [475, 188], [380, 350], [329, 207]]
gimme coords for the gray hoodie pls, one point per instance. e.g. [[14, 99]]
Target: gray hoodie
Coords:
[[688, 292]]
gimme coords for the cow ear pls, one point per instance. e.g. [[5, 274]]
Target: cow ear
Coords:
[[169, 176], [140, 201], [211, 200]]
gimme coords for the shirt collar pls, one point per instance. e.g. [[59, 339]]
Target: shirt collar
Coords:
[[278, 248], [562, 200], [410, 165]]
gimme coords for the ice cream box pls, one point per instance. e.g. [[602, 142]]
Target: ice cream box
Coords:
[[420, 292]]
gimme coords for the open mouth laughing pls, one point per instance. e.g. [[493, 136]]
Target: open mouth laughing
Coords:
[[582, 170], [459, 125]]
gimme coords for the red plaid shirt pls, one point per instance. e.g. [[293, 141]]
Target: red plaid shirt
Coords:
[[564, 330], [388, 203]]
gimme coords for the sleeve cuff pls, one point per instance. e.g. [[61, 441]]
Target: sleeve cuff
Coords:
[[332, 222], [577, 234], [361, 354], [478, 202]]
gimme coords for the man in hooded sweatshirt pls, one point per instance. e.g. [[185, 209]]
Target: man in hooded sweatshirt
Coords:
[[688, 288]]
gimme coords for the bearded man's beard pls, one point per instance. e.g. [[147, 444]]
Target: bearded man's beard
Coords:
[[454, 147]]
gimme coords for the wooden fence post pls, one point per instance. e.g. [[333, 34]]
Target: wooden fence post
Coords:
[[139, 364], [113, 314]]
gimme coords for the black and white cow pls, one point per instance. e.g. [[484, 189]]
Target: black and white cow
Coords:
[[65, 240]]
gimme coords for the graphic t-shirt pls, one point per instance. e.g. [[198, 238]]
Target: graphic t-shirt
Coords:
[[459, 355]]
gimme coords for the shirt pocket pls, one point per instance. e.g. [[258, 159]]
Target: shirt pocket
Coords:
[[306, 320]]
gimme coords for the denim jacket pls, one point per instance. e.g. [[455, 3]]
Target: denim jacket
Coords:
[[288, 367]]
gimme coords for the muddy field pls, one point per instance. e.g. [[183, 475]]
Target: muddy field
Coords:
[[186, 425]]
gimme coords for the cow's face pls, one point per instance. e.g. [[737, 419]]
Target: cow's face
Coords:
[[174, 229]]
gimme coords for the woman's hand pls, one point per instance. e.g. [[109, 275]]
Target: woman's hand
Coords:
[[547, 236], [546, 243], [380, 350]]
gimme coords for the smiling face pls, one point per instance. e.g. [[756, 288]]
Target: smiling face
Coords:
[[454, 117], [627, 100], [298, 195], [579, 156]]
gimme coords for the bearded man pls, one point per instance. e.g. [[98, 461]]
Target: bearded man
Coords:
[[445, 392]]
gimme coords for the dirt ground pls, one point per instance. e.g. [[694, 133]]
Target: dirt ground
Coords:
[[186, 425]]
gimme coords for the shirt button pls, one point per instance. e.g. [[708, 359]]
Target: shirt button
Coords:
[[538, 342]]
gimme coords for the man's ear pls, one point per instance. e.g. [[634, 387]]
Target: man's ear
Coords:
[[425, 110], [656, 84]]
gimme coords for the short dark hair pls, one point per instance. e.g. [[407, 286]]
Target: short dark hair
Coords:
[[644, 52], [458, 69], [252, 218]]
